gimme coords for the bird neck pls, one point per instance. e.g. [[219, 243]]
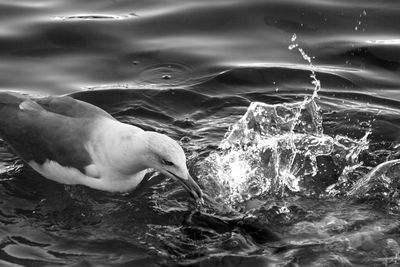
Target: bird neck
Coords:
[[119, 147]]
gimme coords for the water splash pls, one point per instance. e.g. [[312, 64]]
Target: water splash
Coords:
[[381, 184], [278, 149], [313, 76], [275, 149], [359, 22]]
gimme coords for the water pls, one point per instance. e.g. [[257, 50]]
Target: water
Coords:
[[288, 112]]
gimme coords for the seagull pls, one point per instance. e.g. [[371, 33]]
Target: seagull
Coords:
[[76, 143]]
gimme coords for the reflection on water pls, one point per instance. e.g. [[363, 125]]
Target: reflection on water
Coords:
[[95, 43], [296, 149]]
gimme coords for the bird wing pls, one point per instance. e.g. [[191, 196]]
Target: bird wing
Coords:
[[36, 132], [71, 107]]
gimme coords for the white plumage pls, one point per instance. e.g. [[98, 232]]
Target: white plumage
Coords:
[[74, 142]]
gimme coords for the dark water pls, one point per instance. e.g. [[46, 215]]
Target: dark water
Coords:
[[191, 69]]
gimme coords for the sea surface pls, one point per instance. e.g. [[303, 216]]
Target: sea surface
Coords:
[[288, 111]]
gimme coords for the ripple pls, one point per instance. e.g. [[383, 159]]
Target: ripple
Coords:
[[384, 42], [166, 74], [319, 68], [28, 252], [95, 17]]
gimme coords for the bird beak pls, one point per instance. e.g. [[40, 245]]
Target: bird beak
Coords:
[[190, 185]]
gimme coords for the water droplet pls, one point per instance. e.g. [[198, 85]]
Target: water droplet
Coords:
[[185, 139], [234, 243], [365, 124]]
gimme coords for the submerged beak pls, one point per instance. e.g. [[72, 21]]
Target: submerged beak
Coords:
[[190, 185]]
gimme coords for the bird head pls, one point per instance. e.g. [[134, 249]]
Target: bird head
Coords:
[[168, 157]]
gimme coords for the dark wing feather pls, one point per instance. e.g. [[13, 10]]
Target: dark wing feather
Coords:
[[40, 134], [71, 107]]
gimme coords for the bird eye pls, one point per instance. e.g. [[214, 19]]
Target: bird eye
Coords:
[[168, 163]]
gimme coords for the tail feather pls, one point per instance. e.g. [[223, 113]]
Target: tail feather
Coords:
[[9, 109], [7, 98]]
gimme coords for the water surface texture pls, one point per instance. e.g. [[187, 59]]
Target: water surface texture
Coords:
[[288, 111]]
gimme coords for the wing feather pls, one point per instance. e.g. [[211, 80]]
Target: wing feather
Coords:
[[71, 107], [58, 131]]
